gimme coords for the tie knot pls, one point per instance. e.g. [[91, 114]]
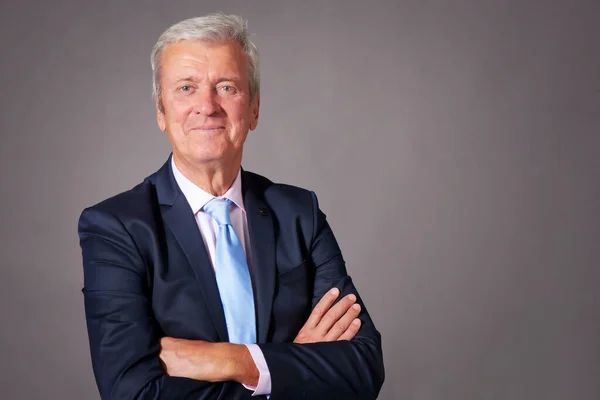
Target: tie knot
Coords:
[[219, 210]]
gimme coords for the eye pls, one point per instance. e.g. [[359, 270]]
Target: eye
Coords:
[[227, 89], [186, 88]]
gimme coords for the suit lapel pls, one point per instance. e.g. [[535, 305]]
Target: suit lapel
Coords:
[[179, 218], [262, 244]]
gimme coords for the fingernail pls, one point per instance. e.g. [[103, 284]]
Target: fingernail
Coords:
[[356, 322], [334, 291], [352, 297], [356, 307]]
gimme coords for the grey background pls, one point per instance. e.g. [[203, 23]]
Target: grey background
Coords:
[[453, 145]]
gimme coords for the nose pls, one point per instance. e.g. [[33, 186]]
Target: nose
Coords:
[[207, 102]]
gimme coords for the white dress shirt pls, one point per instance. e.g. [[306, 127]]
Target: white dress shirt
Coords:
[[197, 198]]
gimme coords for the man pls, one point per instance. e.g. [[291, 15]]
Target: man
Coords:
[[210, 282]]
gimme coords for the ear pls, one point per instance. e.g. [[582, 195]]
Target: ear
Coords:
[[254, 107], [160, 116]]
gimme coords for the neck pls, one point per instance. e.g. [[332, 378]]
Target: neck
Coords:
[[215, 179]]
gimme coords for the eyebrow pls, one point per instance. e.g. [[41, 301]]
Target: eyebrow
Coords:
[[222, 79], [229, 78], [186, 79]]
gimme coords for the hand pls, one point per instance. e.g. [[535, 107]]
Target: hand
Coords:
[[327, 323], [212, 362]]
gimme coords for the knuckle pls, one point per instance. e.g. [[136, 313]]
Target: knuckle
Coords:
[[355, 309], [329, 319], [338, 329], [320, 309]]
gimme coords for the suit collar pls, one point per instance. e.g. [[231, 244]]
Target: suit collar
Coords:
[[197, 197], [167, 190]]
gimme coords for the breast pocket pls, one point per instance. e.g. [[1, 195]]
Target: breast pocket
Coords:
[[293, 301]]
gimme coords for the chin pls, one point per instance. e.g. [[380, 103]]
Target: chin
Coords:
[[209, 157]]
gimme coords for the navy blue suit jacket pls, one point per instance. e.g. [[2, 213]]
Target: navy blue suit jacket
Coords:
[[147, 275]]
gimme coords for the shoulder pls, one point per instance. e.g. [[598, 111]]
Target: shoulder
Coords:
[[278, 195], [135, 203]]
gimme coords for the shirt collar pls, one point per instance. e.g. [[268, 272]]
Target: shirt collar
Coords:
[[197, 197]]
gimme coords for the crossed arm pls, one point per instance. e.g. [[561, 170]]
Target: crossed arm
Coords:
[[329, 358], [219, 362]]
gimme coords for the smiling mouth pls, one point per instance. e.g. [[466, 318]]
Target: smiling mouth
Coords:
[[207, 128]]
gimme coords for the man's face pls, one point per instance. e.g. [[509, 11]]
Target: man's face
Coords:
[[206, 102]]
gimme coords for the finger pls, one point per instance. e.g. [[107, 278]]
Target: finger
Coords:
[[164, 361], [343, 323], [322, 307], [352, 330], [167, 342], [165, 356], [335, 313]]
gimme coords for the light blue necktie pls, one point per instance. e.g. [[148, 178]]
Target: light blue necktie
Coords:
[[233, 277]]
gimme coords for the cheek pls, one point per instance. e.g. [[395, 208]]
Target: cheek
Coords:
[[240, 121], [178, 110], [176, 123], [237, 110]]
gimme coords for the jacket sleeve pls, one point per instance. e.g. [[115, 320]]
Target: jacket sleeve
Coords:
[[123, 333], [344, 369]]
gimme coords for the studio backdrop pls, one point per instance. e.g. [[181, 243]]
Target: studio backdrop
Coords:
[[454, 146]]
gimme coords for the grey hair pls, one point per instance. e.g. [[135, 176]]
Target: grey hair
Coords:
[[217, 27]]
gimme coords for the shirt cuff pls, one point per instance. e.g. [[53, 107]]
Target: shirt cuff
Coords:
[[264, 377]]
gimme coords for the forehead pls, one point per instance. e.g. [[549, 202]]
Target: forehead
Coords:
[[195, 56]]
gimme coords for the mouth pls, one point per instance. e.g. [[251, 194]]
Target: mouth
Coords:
[[207, 128]]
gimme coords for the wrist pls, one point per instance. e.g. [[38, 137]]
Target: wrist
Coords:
[[242, 368]]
